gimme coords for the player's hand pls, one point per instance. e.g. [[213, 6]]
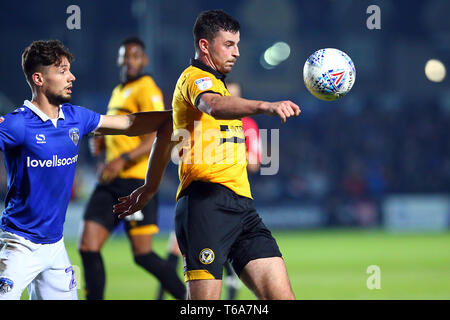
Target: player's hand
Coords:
[[111, 170], [97, 145], [284, 109], [133, 202]]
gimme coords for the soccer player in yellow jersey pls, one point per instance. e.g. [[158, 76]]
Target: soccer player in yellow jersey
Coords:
[[215, 218], [254, 154], [125, 170]]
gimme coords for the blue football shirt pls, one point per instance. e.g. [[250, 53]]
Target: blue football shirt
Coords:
[[41, 155]]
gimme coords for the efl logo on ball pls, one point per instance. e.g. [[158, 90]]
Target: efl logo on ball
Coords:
[[329, 74]]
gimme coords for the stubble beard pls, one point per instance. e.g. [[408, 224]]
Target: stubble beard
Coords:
[[58, 99]]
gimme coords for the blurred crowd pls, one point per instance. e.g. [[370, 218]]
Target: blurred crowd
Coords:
[[362, 154]]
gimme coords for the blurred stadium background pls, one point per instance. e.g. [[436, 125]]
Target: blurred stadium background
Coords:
[[362, 181]]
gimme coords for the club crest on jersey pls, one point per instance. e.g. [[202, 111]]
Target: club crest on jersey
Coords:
[[206, 256], [2, 119], [74, 134], [6, 285]]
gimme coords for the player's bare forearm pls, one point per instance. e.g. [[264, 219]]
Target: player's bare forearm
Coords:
[[229, 107], [134, 124], [144, 147], [159, 158]]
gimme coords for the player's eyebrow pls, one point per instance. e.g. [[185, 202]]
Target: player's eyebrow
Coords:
[[233, 41]]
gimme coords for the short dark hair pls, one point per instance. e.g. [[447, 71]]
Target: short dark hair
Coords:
[[210, 22], [43, 53], [133, 40]]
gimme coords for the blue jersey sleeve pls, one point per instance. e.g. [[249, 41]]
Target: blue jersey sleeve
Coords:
[[12, 131], [89, 119]]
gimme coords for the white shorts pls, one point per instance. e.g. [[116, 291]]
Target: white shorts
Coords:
[[44, 268]]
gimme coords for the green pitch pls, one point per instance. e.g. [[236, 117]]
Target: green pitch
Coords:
[[321, 264]]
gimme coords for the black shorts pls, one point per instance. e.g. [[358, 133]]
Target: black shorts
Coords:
[[100, 208], [213, 224]]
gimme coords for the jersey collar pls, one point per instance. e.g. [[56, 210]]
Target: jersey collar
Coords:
[[199, 64], [39, 112], [135, 78]]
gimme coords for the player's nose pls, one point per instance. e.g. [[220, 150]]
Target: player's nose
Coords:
[[236, 52], [72, 77]]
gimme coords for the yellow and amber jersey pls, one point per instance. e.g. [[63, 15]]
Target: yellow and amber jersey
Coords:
[[210, 149], [141, 94]]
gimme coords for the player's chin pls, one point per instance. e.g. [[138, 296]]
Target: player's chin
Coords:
[[57, 99], [227, 68], [63, 98], [132, 73]]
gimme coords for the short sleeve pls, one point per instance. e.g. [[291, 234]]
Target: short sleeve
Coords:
[[200, 83], [12, 131], [150, 97], [91, 120]]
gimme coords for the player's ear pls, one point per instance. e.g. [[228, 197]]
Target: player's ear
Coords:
[[145, 61], [38, 79], [121, 56], [203, 44]]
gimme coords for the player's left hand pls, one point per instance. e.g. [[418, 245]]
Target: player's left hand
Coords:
[[283, 109], [111, 170], [97, 145], [133, 202]]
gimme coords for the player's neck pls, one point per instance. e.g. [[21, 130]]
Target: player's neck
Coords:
[[41, 101], [206, 60], [124, 79]]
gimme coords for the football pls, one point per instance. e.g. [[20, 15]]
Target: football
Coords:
[[329, 74]]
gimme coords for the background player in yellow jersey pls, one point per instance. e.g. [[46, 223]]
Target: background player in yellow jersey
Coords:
[[215, 218], [124, 170]]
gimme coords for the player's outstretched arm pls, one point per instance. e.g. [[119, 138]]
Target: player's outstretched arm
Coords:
[[158, 160], [134, 124], [230, 107]]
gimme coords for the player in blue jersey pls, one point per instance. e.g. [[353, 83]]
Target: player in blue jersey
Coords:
[[40, 141]]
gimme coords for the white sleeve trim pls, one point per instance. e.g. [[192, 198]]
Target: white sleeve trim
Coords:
[[100, 121]]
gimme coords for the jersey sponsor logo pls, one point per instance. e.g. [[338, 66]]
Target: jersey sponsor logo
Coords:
[[204, 83], [40, 138], [206, 256], [74, 134], [6, 285], [50, 163]]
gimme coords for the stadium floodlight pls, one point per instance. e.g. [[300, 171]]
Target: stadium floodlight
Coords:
[[435, 70]]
